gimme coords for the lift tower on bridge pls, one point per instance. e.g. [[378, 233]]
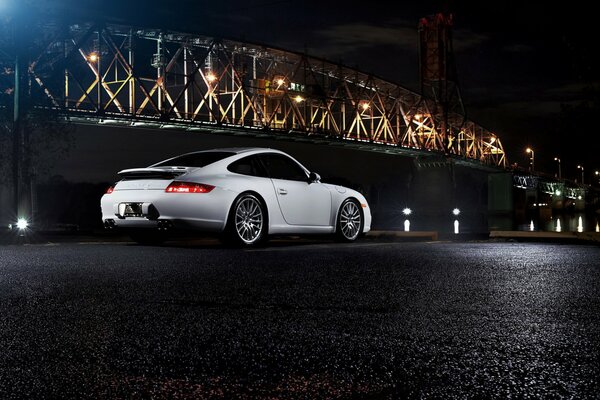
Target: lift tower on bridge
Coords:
[[439, 82]]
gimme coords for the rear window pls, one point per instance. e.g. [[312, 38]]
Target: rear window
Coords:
[[195, 159]]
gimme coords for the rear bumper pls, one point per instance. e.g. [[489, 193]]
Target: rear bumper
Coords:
[[197, 211]]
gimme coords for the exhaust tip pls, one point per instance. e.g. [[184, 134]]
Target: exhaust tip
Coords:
[[109, 224]]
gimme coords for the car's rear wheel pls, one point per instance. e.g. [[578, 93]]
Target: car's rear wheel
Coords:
[[247, 221], [147, 236], [349, 221]]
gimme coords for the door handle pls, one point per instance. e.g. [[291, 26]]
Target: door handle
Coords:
[[282, 191]]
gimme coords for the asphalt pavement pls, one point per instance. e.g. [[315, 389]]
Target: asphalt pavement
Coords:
[[305, 320]]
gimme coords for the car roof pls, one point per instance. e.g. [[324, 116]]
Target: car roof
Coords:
[[237, 150]]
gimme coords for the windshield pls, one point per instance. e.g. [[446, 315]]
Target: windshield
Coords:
[[201, 159]]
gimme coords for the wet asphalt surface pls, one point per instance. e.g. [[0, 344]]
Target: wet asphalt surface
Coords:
[[300, 321]]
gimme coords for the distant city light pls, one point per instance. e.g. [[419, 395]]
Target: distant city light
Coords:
[[456, 226], [558, 228], [406, 226], [531, 226], [456, 211], [558, 192], [579, 197], [22, 224], [407, 211], [580, 225]]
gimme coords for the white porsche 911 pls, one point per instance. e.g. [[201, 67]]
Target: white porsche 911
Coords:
[[244, 194]]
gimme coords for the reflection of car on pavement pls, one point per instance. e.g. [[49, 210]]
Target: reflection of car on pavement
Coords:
[[243, 194]]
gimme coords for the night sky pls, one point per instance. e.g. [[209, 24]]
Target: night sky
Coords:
[[527, 71]]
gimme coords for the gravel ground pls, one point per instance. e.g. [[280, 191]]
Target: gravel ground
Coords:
[[369, 321]]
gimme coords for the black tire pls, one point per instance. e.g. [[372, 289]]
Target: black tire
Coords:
[[248, 222], [147, 237], [350, 221]]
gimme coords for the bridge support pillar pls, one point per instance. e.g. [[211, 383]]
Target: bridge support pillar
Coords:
[[500, 201]]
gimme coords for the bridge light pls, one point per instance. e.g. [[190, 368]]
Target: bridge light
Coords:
[[456, 211], [210, 77], [298, 99], [407, 211], [492, 139], [365, 105], [93, 57], [280, 82], [418, 117], [558, 193]]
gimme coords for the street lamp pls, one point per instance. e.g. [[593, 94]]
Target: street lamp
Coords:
[[529, 150], [559, 169], [582, 175]]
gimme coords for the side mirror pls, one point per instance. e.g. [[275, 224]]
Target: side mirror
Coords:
[[314, 177]]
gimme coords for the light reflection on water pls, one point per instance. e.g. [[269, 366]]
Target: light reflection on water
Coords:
[[565, 223]]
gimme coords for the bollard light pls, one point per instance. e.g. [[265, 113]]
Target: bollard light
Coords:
[[22, 224]]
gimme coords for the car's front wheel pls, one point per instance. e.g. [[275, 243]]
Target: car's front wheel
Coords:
[[247, 221], [349, 221]]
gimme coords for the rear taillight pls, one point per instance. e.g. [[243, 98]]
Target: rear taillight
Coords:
[[110, 190], [188, 187]]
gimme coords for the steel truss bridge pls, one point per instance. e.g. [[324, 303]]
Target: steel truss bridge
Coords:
[[549, 186], [149, 77]]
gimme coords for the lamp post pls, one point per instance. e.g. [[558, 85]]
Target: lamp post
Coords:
[[582, 175], [559, 169], [529, 150]]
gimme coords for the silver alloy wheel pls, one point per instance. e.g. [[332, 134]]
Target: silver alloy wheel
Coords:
[[249, 220], [350, 220]]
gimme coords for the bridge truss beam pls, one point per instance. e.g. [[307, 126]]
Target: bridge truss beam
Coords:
[[112, 71]]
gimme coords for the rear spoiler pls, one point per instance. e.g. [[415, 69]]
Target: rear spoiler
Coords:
[[149, 173]]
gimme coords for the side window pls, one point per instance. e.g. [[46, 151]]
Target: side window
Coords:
[[248, 166], [282, 167]]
